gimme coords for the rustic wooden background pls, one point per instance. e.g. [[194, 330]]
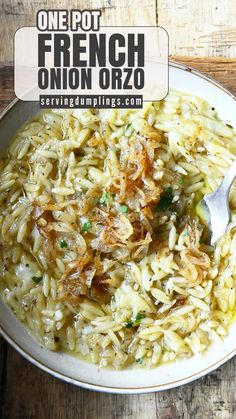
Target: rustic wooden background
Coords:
[[202, 35], [196, 27]]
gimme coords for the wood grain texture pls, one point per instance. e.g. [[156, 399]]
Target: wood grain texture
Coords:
[[14, 14], [3, 369], [6, 84], [32, 394], [196, 28], [199, 27], [28, 393], [221, 69]]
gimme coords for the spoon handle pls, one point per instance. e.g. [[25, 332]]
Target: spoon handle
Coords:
[[228, 179]]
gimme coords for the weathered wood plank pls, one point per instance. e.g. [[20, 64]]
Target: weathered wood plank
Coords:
[[199, 28], [14, 14], [196, 28], [3, 365], [6, 84], [221, 69], [32, 394]]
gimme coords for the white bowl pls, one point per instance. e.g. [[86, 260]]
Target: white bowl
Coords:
[[73, 370]]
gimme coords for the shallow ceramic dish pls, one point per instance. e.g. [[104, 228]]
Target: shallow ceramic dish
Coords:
[[75, 371]]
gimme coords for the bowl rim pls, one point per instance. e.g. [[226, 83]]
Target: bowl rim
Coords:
[[111, 389]]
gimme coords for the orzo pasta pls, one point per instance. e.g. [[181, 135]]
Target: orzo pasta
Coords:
[[102, 250]]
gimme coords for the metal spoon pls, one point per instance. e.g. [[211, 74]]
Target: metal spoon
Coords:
[[214, 208]]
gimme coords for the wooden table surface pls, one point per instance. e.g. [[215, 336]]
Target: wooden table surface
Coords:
[[28, 393], [202, 35], [196, 27]]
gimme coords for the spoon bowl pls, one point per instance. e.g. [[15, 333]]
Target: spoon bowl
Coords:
[[214, 208]]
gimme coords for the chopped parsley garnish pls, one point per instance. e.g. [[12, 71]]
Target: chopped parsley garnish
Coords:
[[104, 198], [63, 244], [124, 209], [140, 360], [37, 279], [139, 317], [230, 126], [166, 200], [86, 226], [129, 324], [128, 130], [133, 323]]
